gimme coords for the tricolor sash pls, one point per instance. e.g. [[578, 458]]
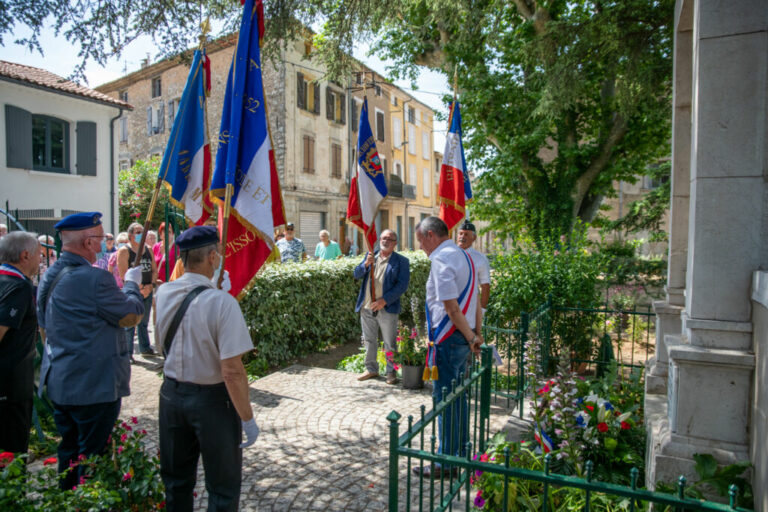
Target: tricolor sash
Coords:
[[10, 270], [445, 328]]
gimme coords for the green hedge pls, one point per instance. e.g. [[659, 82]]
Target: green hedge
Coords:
[[298, 308]]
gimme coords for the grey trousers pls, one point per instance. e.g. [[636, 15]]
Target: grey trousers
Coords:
[[371, 324]]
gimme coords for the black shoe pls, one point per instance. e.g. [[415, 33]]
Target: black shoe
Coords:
[[149, 352], [439, 472]]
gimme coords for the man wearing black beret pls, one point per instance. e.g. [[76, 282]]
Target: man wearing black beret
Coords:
[[204, 402]]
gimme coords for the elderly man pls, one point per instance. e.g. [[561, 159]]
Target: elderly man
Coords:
[[19, 259], [379, 302], [204, 400], [327, 249], [3, 230], [86, 361], [290, 247], [454, 322], [125, 258], [466, 237]]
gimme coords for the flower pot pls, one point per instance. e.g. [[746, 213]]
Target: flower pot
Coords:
[[412, 376]]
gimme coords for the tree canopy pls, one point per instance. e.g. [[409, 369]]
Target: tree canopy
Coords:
[[559, 97]]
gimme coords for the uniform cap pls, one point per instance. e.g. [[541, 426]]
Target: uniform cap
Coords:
[[197, 236], [468, 226], [79, 221]]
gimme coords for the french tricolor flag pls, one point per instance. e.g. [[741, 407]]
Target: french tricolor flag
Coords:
[[371, 183], [454, 190], [186, 165]]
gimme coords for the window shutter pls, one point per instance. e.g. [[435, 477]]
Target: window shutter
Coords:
[[161, 118], [301, 95], [86, 148], [329, 114], [170, 113], [18, 137], [306, 153], [317, 98], [380, 126], [149, 120], [355, 121], [343, 104], [311, 155]]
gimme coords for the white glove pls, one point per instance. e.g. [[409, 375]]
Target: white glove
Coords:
[[133, 275], [251, 432], [226, 284]]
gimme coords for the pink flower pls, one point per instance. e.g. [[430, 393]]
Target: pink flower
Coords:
[[82, 480], [123, 438], [134, 420], [120, 449], [144, 431], [399, 338], [81, 457], [414, 333], [484, 457], [126, 477]]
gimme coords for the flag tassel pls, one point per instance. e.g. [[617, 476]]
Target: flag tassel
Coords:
[[224, 229]]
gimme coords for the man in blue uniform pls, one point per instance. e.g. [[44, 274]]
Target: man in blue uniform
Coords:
[[86, 364]]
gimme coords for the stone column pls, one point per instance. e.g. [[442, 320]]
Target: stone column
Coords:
[[668, 320], [711, 364]]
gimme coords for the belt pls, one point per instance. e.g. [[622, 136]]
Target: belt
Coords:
[[192, 386]]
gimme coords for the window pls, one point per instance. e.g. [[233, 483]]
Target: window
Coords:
[[377, 89], [398, 169], [393, 100], [157, 88], [307, 94], [426, 184], [335, 160], [124, 165], [425, 145], [397, 132], [173, 110], [411, 115], [379, 125], [384, 166], [50, 144], [418, 117], [335, 106], [359, 78], [411, 231], [412, 174], [412, 139], [399, 231], [124, 130], [123, 95], [309, 154], [156, 119]]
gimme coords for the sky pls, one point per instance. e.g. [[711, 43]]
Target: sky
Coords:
[[60, 57]]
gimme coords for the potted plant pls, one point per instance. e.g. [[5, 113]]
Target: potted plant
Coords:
[[410, 355]]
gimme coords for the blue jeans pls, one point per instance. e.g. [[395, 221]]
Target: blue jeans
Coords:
[[84, 430], [453, 423], [144, 345]]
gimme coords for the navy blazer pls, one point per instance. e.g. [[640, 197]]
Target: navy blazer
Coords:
[[396, 278]]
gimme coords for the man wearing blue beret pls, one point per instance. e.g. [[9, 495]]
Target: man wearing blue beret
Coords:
[[86, 363], [204, 402]]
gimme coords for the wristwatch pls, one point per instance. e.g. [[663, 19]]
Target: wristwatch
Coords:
[[473, 340]]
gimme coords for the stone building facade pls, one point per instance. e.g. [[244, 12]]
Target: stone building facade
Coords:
[[314, 132], [706, 387]]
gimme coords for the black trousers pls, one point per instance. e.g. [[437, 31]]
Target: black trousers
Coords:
[[14, 425], [199, 420], [84, 430]]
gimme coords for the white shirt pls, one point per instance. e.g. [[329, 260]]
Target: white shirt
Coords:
[[212, 329], [448, 276], [482, 266]]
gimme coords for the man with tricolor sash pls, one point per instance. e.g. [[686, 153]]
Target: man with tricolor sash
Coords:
[[454, 323]]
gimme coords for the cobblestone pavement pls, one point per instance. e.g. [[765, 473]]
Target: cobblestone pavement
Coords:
[[323, 442]]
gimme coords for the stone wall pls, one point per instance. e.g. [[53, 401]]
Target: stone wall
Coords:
[[759, 426]]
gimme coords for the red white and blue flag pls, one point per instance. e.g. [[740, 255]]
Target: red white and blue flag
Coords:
[[370, 181], [246, 161], [454, 190], [186, 166], [543, 439]]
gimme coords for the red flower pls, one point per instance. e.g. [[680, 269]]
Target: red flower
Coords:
[[625, 425], [123, 438], [126, 477], [484, 457], [134, 420], [602, 427], [49, 461], [161, 505], [5, 459], [81, 457]]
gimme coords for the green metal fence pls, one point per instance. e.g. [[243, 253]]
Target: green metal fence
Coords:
[[416, 445], [591, 337]]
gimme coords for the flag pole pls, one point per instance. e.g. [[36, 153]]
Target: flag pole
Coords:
[[224, 229]]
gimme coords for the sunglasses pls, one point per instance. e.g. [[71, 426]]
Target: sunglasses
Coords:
[[289, 229]]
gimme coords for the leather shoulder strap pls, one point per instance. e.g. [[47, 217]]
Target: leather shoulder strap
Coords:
[[55, 281], [176, 322]]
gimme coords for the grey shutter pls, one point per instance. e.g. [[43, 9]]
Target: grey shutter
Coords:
[[18, 137], [329, 110], [380, 126], [170, 113], [343, 104], [317, 98], [149, 120], [301, 95], [355, 121], [161, 118], [86, 148]]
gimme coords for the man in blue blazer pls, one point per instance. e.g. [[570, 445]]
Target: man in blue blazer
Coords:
[[379, 302]]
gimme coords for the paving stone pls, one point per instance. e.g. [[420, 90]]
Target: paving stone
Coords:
[[323, 443]]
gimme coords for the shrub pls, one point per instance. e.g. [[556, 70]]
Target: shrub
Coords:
[[297, 308]]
